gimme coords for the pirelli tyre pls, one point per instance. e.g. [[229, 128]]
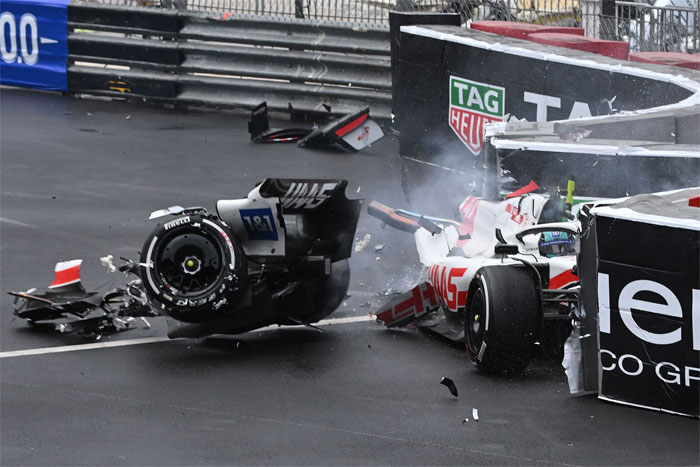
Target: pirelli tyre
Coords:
[[503, 319], [193, 268]]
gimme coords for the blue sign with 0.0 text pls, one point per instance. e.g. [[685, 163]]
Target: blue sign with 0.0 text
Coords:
[[34, 43]]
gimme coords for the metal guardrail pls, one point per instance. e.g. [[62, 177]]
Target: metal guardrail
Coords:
[[370, 12], [186, 59]]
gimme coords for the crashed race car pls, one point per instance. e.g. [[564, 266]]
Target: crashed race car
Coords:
[[278, 256], [502, 279]]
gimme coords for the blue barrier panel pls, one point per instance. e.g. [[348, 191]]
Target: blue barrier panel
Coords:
[[34, 43]]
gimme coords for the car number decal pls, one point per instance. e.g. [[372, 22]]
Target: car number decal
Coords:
[[259, 224]]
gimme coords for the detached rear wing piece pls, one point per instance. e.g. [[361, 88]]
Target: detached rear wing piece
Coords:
[[353, 132]]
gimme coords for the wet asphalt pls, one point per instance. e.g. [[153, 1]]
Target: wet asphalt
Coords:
[[78, 179]]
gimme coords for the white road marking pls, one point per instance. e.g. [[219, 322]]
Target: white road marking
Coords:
[[153, 340], [13, 222]]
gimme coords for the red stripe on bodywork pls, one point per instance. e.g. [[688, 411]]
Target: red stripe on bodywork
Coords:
[[566, 277], [694, 202], [351, 126], [66, 276]]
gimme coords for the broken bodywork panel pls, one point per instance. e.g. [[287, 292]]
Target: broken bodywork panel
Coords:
[[352, 132], [67, 307]]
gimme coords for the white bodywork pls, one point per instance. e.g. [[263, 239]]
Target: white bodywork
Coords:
[[452, 275], [255, 220]]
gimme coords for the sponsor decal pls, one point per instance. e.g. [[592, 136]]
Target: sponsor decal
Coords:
[[176, 222], [473, 105], [409, 306], [259, 224], [364, 135], [307, 195], [649, 339], [515, 215], [443, 279]]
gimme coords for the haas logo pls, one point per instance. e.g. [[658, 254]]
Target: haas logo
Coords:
[[301, 195], [443, 279]]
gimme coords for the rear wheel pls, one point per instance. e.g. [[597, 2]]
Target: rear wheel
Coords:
[[503, 319], [194, 268]]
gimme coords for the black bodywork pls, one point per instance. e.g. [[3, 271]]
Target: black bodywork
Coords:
[[333, 134]]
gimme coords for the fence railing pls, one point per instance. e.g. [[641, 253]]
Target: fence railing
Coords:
[[646, 27], [656, 28], [369, 12]]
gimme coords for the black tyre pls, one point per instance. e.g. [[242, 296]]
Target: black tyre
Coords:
[[194, 268], [503, 319]]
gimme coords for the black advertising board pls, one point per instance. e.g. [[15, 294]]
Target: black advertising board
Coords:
[[648, 293], [453, 81]]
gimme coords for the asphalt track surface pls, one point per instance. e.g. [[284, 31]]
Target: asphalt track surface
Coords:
[[78, 180]]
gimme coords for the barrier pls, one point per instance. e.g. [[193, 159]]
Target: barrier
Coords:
[[521, 30], [33, 44], [614, 49], [691, 61], [185, 59], [455, 81]]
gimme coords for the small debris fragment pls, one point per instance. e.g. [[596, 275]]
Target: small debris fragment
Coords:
[[378, 258], [128, 117], [238, 344], [475, 415], [464, 422], [379, 247], [584, 336], [362, 244], [358, 188], [366, 304], [108, 263], [450, 385]]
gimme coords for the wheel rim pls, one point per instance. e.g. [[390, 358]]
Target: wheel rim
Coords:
[[474, 323], [189, 263]]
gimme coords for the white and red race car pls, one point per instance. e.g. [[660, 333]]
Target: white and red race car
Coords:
[[494, 278]]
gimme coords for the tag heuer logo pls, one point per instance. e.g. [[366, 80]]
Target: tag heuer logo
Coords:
[[472, 105]]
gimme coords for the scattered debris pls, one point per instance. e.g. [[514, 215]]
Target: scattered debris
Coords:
[[108, 263], [67, 307], [128, 117], [464, 422], [362, 244], [475, 415], [570, 133], [379, 247], [378, 258], [358, 188], [450, 385], [366, 304]]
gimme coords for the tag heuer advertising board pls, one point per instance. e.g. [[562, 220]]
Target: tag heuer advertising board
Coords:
[[473, 105]]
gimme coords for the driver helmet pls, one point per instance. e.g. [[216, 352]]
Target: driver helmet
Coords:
[[557, 243]]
